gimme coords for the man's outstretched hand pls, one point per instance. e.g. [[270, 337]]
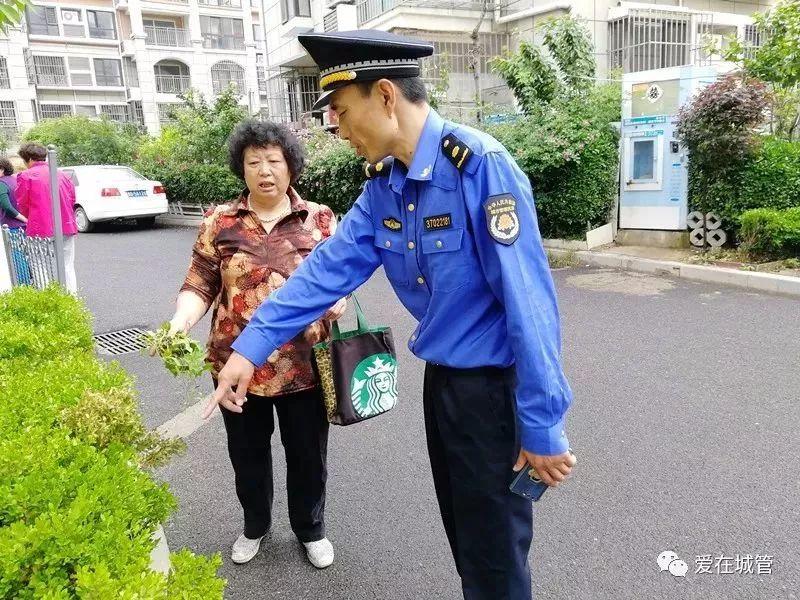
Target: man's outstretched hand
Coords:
[[550, 469], [235, 375]]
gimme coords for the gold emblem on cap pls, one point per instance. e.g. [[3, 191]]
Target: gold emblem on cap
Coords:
[[338, 76]]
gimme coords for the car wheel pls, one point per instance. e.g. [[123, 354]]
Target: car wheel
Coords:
[[146, 221], [82, 221]]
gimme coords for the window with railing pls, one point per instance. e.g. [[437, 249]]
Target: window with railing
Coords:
[[5, 81], [42, 20], [54, 111], [230, 3], [115, 112], [166, 113], [50, 71], [225, 73], [295, 8], [131, 74], [101, 24], [172, 77], [165, 33], [8, 118], [302, 93], [108, 72], [222, 33], [136, 113]]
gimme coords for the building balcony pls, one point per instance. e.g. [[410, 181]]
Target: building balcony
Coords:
[[167, 36], [223, 3], [369, 10], [222, 42], [172, 84]]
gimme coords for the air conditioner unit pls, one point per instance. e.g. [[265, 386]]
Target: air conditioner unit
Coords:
[[71, 16]]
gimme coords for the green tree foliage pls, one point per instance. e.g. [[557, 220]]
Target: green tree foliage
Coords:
[[84, 141], [199, 133], [565, 142], [777, 62], [11, 13], [562, 69]]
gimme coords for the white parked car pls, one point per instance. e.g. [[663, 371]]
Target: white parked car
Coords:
[[110, 192]]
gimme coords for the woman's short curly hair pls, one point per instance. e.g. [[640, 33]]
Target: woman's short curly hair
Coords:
[[260, 134]]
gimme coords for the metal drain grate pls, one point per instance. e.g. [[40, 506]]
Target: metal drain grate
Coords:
[[119, 342]]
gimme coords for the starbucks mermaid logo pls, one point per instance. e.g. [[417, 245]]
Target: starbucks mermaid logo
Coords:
[[373, 389]]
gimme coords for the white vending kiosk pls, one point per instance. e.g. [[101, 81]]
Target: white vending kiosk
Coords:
[[653, 172]]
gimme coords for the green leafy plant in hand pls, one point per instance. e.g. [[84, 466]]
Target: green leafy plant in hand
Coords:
[[182, 356]]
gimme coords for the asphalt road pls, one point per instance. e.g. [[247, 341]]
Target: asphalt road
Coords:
[[685, 423]]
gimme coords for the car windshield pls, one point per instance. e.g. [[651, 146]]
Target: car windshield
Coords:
[[118, 173]]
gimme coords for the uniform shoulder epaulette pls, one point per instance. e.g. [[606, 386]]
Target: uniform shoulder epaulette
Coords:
[[456, 151], [380, 168]]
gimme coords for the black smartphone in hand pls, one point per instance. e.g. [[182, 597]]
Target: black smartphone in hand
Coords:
[[528, 485]]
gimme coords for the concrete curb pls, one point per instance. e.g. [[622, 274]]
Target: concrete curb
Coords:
[[185, 221], [761, 282], [159, 557]]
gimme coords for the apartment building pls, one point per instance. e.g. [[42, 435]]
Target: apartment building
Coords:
[[127, 59], [628, 36]]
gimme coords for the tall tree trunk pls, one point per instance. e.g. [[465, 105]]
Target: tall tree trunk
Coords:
[[475, 57]]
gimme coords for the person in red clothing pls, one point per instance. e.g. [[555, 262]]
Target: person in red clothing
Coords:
[[33, 199]]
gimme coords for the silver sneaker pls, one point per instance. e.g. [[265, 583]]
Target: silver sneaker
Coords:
[[320, 553], [244, 549]]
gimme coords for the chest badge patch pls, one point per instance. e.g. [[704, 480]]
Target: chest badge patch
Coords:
[[392, 224], [502, 219], [437, 222]]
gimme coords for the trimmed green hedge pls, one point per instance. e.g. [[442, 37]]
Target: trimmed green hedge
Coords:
[[77, 512], [769, 178], [771, 232], [196, 184]]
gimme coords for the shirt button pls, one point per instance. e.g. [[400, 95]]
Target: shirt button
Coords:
[[410, 245], [439, 243], [420, 280], [388, 244], [411, 208]]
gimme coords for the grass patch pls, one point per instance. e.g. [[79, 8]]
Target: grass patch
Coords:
[[563, 259]]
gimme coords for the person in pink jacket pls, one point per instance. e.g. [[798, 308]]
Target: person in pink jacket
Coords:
[[33, 199]]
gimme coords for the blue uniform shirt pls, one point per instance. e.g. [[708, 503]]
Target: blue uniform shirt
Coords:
[[462, 251]]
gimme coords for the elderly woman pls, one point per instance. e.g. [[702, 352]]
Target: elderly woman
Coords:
[[244, 251]]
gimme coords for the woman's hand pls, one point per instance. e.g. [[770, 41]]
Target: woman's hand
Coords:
[[336, 311], [179, 324]]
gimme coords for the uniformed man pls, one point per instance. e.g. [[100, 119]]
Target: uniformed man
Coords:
[[451, 218]]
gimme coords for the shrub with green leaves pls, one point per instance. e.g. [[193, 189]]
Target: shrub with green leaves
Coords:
[[570, 155], [84, 141], [42, 324], [197, 184], [770, 232], [77, 513], [334, 174]]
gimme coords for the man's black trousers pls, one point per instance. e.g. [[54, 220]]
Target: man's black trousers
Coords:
[[470, 422]]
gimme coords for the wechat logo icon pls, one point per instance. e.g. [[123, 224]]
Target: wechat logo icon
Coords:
[[669, 561]]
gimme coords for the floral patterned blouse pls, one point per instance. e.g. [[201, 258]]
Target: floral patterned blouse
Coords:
[[236, 264]]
